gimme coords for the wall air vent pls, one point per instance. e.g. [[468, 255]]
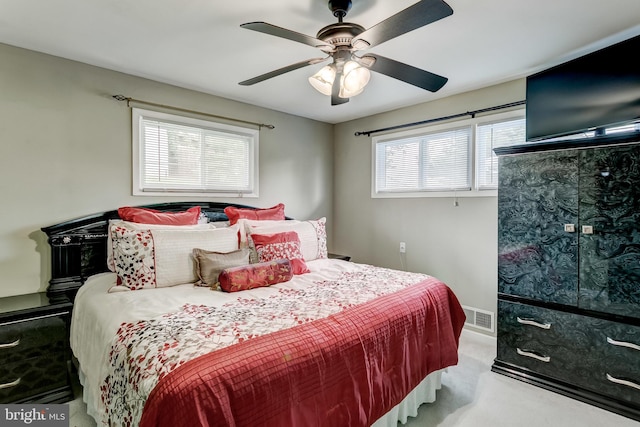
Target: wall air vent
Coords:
[[479, 319]]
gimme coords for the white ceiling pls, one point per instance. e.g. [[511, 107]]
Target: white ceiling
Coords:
[[198, 44]]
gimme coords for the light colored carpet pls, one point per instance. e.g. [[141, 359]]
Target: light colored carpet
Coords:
[[473, 396]]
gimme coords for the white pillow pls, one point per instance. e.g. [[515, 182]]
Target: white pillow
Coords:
[[139, 226], [247, 224], [146, 259], [174, 251], [312, 234]]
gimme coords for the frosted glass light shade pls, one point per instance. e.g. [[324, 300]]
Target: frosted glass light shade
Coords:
[[322, 81], [354, 79]]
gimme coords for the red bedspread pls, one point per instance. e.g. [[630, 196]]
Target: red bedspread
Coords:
[[348, 369]]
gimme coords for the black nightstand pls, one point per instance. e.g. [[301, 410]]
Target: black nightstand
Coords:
[[34, 349], [337, 256]]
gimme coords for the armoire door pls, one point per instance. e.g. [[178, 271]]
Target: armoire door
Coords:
[[610, 249], [537, 226]]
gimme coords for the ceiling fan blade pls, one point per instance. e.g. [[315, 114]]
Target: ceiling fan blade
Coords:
[[263, 27], [404, 72], [335, 90], [420, 14], [282, 70]]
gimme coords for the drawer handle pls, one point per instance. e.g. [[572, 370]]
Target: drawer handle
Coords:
[[11, 344], [534, 355], [11, 384], [534, 323], [623, 382], [623, 344]]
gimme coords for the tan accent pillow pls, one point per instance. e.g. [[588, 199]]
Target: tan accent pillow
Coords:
[[209, 264]]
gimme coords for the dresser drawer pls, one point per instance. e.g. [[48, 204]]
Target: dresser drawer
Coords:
[[598, 355], [619, 375], [32, 338], [548, 342]]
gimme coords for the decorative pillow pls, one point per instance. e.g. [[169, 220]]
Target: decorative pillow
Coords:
[[146, 259], [253, 276], [273, 213], [209, 264], [320, 226], [136, 226], [285, 245], [152, 216], [312, 234], [247, 225], [134, 258]]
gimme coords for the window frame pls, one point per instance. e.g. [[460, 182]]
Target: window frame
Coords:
[[443, 127], [138, 114]]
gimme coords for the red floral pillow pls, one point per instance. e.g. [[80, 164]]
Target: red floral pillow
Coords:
[[253, 276], [285, 245], [273, 213], [152, 216]]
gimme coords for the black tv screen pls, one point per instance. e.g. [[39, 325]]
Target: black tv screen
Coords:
[[596, 90]]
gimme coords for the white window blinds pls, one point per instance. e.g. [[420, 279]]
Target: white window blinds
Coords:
[[490, 136], [175, 154], [432, 162]]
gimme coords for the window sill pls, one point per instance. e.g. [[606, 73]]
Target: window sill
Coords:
[[441, 194]]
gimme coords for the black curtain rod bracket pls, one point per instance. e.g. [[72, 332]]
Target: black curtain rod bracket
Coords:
[[122, 98], [440, 119]]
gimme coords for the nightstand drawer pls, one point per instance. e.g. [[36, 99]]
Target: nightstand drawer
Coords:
[[31, 377], [31, 338], [34, 349]]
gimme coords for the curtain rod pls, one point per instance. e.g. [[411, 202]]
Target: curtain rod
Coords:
[[184, 110], [439, 119]]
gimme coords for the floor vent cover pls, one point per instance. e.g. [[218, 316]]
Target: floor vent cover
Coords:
[[477, 318]]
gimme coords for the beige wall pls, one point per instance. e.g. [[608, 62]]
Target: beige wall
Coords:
[[456, 244], [65, 152]]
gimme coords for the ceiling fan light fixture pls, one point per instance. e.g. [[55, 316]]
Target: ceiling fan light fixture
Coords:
[[322, 81], [353, 80], [341, 40]]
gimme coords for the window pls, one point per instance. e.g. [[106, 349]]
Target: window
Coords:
[[444, 160], [430, 162], [490, 136], [176, 155]]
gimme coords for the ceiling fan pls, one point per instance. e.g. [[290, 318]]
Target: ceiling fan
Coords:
[[348, 73]]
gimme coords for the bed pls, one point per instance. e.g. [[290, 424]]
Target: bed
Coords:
[[287, 334]]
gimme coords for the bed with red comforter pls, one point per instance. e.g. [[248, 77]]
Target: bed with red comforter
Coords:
[[342, 344]]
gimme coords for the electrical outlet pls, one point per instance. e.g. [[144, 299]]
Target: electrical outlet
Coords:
[[403, 247]]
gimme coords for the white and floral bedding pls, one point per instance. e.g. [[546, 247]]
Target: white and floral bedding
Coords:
[[127, 341]]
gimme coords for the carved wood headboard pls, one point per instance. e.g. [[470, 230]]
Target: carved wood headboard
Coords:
[[79, 246]]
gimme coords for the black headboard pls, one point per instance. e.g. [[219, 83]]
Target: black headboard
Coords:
[[79, 246]]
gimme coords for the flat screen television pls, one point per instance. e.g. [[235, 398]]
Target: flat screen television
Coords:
[[591, 92]]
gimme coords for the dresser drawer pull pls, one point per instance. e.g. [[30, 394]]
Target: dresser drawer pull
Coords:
[[534, 355], [623, 344], [11, 384], [11, 344], [623, 382], [534, 323]]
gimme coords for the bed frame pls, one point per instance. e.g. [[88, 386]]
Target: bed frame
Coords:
[[79, 246]]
